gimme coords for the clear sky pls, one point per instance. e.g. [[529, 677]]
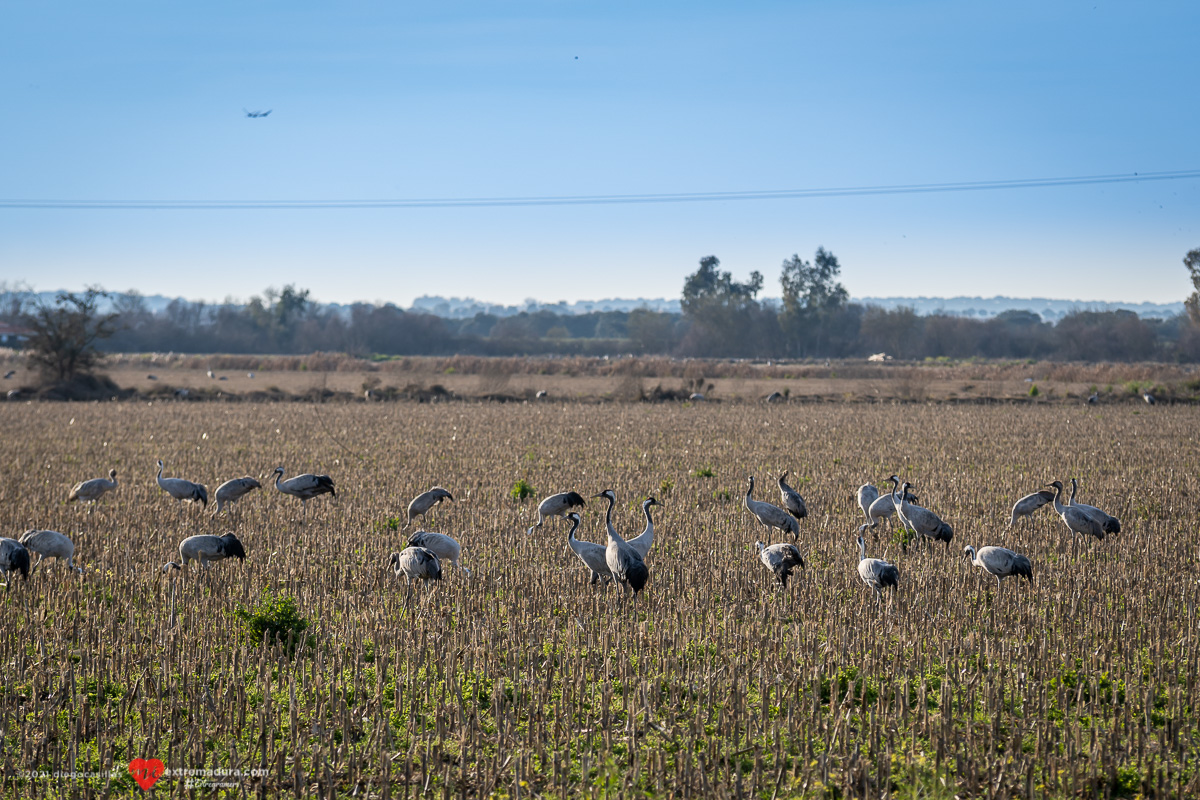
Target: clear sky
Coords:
[[144, 102]]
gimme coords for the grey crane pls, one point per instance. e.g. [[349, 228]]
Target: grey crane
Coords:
[[557, 505], [443, 546], [594, 556], [645, 540], [1107, 521], [770, 516], [1029, 504], [921, 520], [793, 503], [781, 559], [13, 556], [93, 490], [206, 549], [1001, 562], [627, 567], [1093, 399], [875, 572], [182, 489], [50, 544], [425, 501], [1073, 517], [305, 487], [1149, 398], [416, 564], [880, 506], [233, 490]]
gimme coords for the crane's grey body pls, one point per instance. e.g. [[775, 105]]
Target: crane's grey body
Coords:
[[1029, 504], [182, 489], [557, 505], [1108, 522], [305, 486], [781, 559], [594, 556], [1093, 398], [1001, 562], [13, 556], [425, 501], [50, 544], [793, 503], [441, 545], [417, 564], [877, 506], [627, 567], [921, 520], [768, 515], [645, 540], [1149, 398], [1073, 517], [233, 490], [91, 491], [875, 572], [205, 549]]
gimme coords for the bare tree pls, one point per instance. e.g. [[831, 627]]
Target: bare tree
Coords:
[[64, 338]]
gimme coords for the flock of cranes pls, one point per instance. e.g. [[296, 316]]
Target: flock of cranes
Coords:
[[619, 561]]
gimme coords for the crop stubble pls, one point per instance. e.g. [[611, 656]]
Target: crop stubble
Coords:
[[524, 680]]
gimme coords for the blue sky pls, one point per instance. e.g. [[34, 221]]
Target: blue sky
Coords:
[[127, 101]]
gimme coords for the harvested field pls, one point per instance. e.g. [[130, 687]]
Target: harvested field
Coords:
[[523, 680]]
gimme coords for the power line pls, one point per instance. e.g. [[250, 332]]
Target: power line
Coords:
[[601, 199]]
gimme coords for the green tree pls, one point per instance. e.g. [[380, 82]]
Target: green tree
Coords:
[[811, 295], [723, 313], [1192, 262], [65, 334]]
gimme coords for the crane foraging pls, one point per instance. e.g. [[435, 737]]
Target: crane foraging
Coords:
[[441, 545], [793, 503], [645, 540], [1073, 517], [875, 572], [182, 489], [416, 564], [1001, 562], [233, 490], [781, 559], [627, 567], [93, 490], [770, 516], [50, 544], [1029, 504], [206, 549], [557, 505], [879, 507], [1109, 523], [305, 486], [425, 501], [594, 556], [921, 520], [13, 556]]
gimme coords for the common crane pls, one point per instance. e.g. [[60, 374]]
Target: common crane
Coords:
[[1093, 399], [425, 501], [781, 559], [879, 506], [1149, 398], [1107, 521], [770, 516], [50, 544], [645, 540], [13, 556], [921, 520], [793, 503], [557, 505], [1029, 504], [416, 564], [182, 489], [91, 491], [626, 566], [305, 486], [233, 490], [594, 556], [441, 545], [1073, 517], [875, 572], [205, 549], [1001, 562]]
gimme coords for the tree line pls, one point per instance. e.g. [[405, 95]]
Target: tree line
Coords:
[[721, 317]]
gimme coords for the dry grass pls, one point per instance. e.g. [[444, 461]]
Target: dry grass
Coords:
[[523, 680]]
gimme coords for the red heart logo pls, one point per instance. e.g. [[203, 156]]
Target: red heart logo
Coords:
[[146, 771]]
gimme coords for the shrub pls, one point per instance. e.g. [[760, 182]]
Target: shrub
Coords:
[[521, 490], [278, 618]]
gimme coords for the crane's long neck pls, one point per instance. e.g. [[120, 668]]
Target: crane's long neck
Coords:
[[278, 476], [160, 471], [649, 522], [571, 533], [613, 536], [1058, 506], [749, 491], [974, 556], [1074, 488], [862, 549]]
